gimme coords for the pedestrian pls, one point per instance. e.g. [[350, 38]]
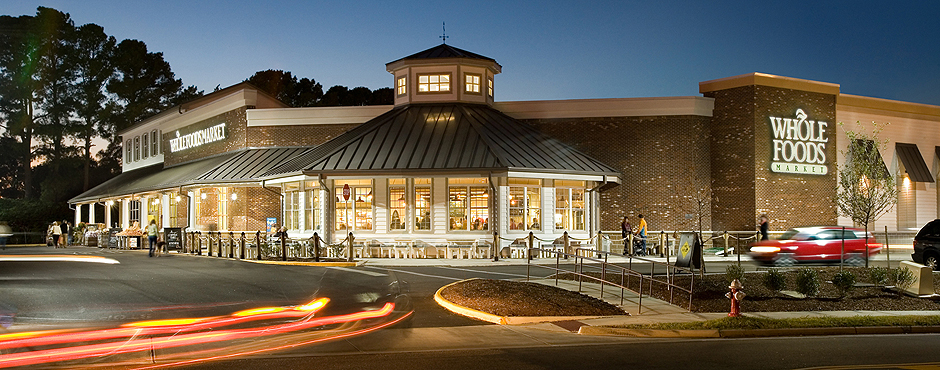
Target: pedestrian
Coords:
[[641, 232], [626, 230], [56, 233], [152, 236], [66, 233], [5, 232], [764, 225]]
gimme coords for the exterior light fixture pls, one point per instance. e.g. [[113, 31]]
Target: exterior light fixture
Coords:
[[234, 196], [178, 198], [203, 196]]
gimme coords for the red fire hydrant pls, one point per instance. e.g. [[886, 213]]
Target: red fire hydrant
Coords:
[[736, 295]]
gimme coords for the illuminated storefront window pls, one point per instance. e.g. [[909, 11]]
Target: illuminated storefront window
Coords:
[[569, 205], [292, 209], [468, 204], [134, 210], [356, 213], [223, 208], [525, 204], [153, 210], [174, 209], [435, 83], [422, 204], [311, 206], [397, 204]]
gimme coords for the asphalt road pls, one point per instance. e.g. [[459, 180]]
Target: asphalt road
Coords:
[[68, 294]]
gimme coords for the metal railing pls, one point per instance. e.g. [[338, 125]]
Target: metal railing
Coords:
[[582, 255]]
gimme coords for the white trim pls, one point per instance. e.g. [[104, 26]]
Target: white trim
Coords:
[[554, 176], [314, 115], [621, 107], [282, 180]]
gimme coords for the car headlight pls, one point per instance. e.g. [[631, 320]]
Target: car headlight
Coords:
[[765, 249]]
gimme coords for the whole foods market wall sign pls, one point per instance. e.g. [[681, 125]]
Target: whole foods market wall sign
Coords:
[[799, 145], [197, 138]]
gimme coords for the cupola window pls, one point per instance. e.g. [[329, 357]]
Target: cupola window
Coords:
[[401, 85], [489, 87], [434, 83], [472, 83]]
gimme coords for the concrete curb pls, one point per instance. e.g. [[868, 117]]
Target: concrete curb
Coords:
[[755, 333], [298, 263], [496, 319]]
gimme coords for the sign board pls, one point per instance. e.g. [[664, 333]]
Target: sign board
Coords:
[[689, 253], [346, 192], [111, 237], [799, 145], [133, 242], [197, 138], [173, 236], [271, 222]]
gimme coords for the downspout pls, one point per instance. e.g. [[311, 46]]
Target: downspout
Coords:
[[494, 214]]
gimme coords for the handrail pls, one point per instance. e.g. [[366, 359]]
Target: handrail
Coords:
[[625, 272]]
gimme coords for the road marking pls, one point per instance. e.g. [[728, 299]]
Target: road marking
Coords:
[[416, 273], [58, 258], [370, 273]]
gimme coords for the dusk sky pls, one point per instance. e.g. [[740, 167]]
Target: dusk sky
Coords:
[[548, 49]]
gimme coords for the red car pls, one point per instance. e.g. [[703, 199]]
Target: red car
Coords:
[[815, 244]]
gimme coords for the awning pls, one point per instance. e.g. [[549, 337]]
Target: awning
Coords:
[[913, 162]]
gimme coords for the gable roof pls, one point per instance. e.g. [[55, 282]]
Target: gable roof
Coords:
[[448, 137]]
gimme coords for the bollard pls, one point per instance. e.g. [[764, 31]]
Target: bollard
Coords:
[[241, 252], [736, 295], [349, 251], [316, 247], [198, 243], [725, 235], [283, 248], [258, 244], [531, 242], [496, 248], [231, 244]]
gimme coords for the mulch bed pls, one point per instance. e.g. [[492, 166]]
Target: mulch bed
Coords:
[[512, 298]]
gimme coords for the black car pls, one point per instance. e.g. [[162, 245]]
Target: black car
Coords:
[[927, 245]]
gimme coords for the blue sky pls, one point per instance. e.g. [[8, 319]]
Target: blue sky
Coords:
[[548, 49]]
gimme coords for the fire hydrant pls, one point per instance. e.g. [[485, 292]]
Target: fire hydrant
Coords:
[[736, 296]]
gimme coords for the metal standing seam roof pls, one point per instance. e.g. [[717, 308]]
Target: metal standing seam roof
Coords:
[[913, 162], [443, 51], [238, 166], [446, 136]]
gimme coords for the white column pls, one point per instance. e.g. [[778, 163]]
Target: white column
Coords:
[[107, 213], [125, 213], [91, 213], [165, 210], [191, 210]]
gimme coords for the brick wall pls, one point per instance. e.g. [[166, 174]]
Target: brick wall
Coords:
[[300, 135], [236, 123], [742, 183], [664, 161]]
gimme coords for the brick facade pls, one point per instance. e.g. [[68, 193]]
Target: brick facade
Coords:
[[743, 186], [300, 135], [663, 160], [236, 137]]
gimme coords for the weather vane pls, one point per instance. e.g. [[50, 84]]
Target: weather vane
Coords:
[[444, 36]]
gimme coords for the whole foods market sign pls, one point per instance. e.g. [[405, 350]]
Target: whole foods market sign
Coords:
[[799, 145], [197, 138]]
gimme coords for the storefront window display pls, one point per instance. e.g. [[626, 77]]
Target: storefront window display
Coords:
[[525, 204], [292, 191], [311, 206], [397, 204], [223, 200], [357, 212], [468, 204], [422, 204], [569, 205]]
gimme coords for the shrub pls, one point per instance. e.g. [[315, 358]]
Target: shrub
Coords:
[[878, 276], [807, 282], [734, 272], [903, 278], [844, 281], [774, 280]]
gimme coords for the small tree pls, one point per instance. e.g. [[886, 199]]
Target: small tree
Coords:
[[866, 188]]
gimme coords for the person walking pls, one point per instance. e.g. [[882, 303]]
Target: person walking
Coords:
[[152, 233], [66, 234], [641, 232], [5, 232], [56, 233], [764, 224], [626, 230]]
